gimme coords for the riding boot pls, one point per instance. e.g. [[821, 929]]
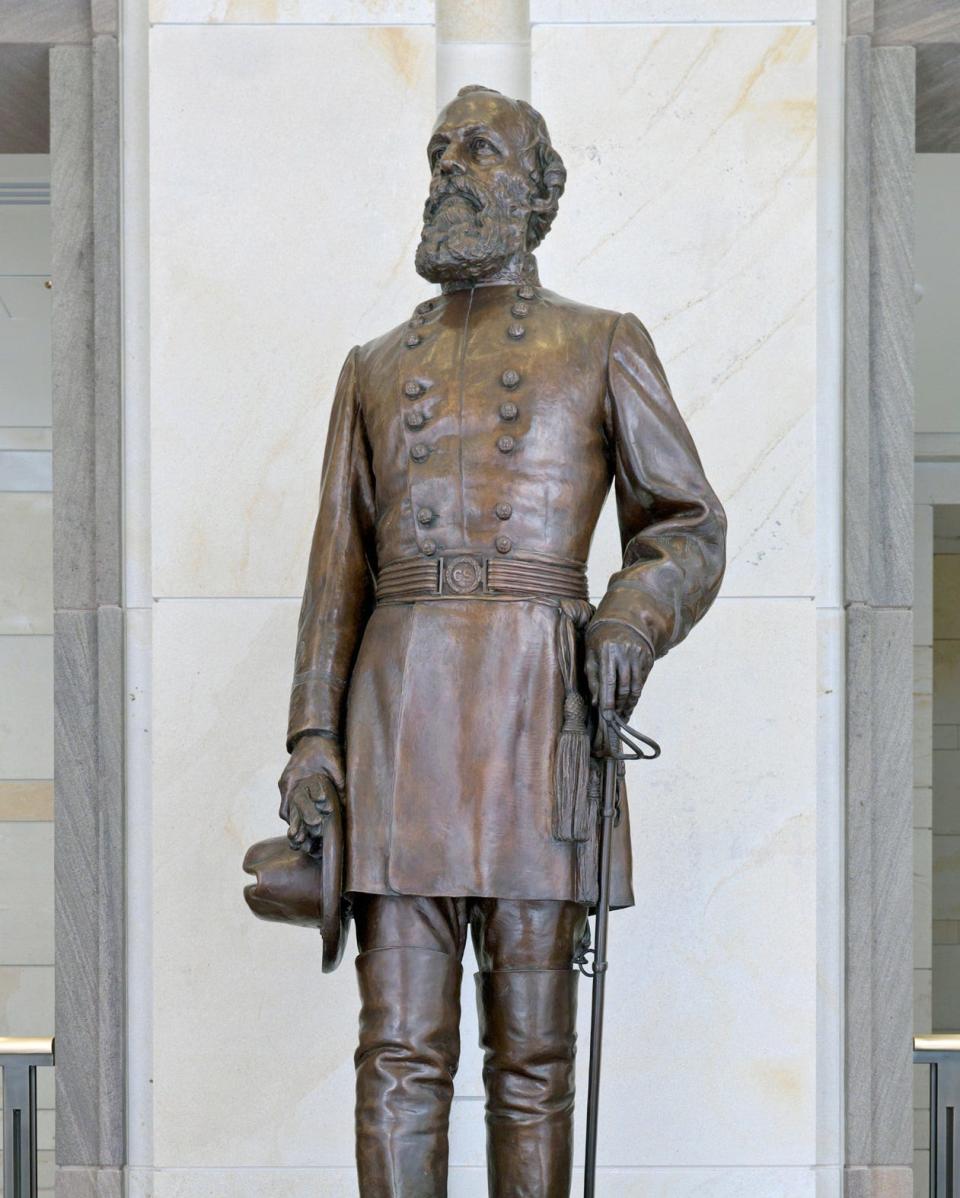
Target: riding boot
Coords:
[[407, 1055], [528, 1034]]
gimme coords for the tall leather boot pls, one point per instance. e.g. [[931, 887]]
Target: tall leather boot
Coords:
[[407, 1055], [528, 1022]]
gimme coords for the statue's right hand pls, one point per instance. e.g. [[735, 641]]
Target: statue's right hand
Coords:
[[309, 787]]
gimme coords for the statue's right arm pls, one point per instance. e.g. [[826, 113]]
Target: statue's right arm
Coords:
[[337, 601]]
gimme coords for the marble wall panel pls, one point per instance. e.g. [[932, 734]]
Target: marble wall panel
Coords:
[[234, 997], [664, 11], [712, 1000], [26, 912], [26, 1000], [472, 1183], [296, 12], [24, 334], [26, 563], [26, 707], [691, 201], [285, 209], [713, 992]]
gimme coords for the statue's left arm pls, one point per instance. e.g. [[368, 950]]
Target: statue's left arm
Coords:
[[672, 527]]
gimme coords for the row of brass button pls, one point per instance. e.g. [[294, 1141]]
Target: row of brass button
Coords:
[[509, 411]]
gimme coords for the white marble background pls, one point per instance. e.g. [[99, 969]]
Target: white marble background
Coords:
[[286, 177]]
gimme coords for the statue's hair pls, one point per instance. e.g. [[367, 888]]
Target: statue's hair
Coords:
[[547, 172]]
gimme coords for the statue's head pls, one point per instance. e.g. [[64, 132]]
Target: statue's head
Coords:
[[495, 186]]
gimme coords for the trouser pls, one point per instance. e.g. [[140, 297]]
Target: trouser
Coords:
[[409, 973]]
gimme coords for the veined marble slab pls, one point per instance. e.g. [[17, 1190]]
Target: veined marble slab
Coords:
[[286, 201], [691, 201], [649, 12], [472, 1183], [296, 12], [712, 999]]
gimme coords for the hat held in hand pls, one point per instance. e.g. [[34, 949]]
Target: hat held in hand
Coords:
[[303, 888]]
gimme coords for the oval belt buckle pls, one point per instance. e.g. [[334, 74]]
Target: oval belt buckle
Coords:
[[462, 575]]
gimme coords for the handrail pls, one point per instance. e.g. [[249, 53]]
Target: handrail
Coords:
[[20, 1057], [26, 1046], [941, 1051], [937, 1042]]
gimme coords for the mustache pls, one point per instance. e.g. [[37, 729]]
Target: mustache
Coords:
[[453, 187]]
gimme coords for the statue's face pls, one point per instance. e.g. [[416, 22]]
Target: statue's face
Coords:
[[475, 218]]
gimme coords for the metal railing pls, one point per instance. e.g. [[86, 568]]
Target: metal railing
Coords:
[[20, 1057], [942, 1054]]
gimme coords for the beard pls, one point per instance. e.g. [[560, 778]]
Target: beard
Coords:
[[467, 236]]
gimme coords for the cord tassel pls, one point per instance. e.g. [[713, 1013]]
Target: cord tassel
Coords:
[[571, 809]]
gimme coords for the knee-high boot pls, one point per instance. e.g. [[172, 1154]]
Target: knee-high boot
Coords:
[[407, 1055], [528, 1034]]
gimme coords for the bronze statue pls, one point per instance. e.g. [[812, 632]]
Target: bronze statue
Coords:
[[448, 656]]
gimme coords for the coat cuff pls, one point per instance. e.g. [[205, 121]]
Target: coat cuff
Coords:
[[620, 606]]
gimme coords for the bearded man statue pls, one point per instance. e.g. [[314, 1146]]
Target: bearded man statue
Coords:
[[450, 666]]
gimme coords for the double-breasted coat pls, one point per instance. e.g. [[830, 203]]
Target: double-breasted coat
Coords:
[[488, 428]]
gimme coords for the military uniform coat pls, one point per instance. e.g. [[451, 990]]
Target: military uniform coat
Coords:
[[491, 424]]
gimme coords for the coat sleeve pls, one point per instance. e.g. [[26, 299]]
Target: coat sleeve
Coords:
[[672, 527], [339, 592]]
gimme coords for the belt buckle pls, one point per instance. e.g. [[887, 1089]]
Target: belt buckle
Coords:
[[462, 575]]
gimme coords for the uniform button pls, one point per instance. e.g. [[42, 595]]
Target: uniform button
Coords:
[[526, 292], [516, 331], [420, 453], [415, 419], [425, 307], [509, 411], [411, 388], [503, 544], [520, 309], [504, 511], [510, 379], [506, 444], [412, 340], [429, 547], [425, 515]]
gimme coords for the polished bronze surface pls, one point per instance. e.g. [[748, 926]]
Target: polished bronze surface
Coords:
[[449, 667], [409, 973], [305, 889]]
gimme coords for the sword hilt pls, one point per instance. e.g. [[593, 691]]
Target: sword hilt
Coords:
[[635, 742]]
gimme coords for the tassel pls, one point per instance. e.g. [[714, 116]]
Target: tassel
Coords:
[[572, 773], [571, 806]]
